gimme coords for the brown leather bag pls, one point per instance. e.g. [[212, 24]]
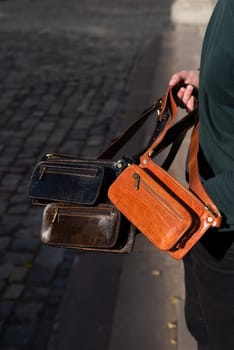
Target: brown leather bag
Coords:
[[99, 228], [170, 215]]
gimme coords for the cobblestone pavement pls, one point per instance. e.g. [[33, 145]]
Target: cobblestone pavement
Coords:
[[64, 80]]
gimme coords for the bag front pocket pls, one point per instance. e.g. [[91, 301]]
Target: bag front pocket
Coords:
[[78, 184], [151, 207], [73, 226]]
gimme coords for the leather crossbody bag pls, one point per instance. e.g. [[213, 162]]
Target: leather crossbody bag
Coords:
[[170, 215], [78, 213]]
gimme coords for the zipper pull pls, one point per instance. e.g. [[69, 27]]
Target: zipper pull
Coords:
[[137, 181], [55, 214], [42, 172], [49, 156]]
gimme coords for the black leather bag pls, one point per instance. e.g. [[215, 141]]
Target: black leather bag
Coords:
[[70, 180]]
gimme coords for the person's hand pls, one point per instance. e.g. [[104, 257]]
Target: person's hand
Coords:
[[186, 94]]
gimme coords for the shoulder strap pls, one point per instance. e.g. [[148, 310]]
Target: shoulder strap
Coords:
[[165, 111], [194, 178], [131, 130], [168, 135]]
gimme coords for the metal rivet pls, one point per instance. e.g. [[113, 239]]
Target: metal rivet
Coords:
[[173, 341], [175, 300], [156, 272], [145, 161], [210, 219], [119, 164], [172, 325]]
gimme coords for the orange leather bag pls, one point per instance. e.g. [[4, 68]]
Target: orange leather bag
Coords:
[[170, 215]]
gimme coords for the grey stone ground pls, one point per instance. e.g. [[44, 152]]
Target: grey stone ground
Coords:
[[67, 72]]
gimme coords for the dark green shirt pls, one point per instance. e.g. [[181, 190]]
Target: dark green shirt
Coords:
[[216, 100]]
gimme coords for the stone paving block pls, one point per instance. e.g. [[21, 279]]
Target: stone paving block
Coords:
[[59, 283], [4, 242], [18, 258], [3, 284], [40, 276], [18, 274], [28, 311], [12, 151], [5, 160], [46, 126], [3, 207], [56, 138], [18, 169], [18, 208], [6, 308], [37, 139], [18, 334], [23, 162], [36, 115], [83, 123], [25, 244], [10, 223], [95, 140], [49, 312], [49, 257], [23, 186], [4, 196], [54, 300], [56, 293], [32, 293], [31, 225], [16, 198], [5, 270], [13, 291], [41, 340], [55, 109]]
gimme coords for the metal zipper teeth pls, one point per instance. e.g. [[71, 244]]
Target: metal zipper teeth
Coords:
[[164, 202], [85, 212], [67, 171], [63, 213]]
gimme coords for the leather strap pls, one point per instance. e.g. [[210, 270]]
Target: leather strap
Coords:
[[162, 109], [169, 133], [131, 130], [169, 110], [194, 177]]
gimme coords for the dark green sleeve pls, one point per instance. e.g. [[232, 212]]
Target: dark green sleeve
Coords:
[[221, 190]]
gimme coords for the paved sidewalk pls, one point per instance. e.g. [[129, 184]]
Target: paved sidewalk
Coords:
[[71, 76]]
